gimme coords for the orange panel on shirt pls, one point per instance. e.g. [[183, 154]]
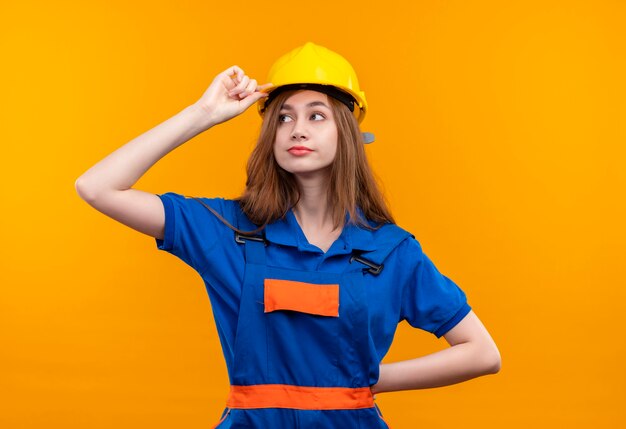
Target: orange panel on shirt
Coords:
[[309, 298]]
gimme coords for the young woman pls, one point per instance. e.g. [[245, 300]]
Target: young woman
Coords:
[[307, 273]]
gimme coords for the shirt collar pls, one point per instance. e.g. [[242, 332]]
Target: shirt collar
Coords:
[[286, 231], [282, 231]]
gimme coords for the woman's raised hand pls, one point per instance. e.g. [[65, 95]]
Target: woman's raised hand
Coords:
[[229, 95]]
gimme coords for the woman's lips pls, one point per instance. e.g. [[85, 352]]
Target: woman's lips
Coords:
[[299, 150]]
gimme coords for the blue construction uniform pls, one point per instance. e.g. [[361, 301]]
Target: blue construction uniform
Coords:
[[284, 346]]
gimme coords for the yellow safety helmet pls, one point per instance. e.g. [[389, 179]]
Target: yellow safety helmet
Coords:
[[318, 68]]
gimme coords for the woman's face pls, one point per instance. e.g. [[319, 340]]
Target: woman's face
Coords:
[[306, 137]]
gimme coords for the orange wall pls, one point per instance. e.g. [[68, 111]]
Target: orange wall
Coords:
[[501, 130]]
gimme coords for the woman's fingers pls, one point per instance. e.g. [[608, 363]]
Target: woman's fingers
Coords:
[[231, 93], [234, 72], [264, 86], [249, 89], [240, 88], [251, 99], [240, 85]]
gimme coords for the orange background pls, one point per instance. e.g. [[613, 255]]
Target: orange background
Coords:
[[500, 141]]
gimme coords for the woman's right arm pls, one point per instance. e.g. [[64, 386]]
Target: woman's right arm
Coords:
[[107, 186]]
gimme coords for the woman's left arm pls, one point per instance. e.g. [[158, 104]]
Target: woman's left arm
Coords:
[[472, 353]]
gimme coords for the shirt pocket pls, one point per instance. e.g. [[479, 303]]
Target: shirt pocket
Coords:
[[317, 299], [303, 331]]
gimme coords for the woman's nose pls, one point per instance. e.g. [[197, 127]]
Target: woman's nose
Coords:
[[297, 135], [298, 132]]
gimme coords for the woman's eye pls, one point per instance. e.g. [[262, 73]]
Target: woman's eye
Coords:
[[283, 118], [314, 116]]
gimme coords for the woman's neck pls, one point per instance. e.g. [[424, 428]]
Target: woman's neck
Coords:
[[312, 211]]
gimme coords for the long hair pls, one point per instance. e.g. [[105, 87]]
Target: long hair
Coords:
[[271, 191]]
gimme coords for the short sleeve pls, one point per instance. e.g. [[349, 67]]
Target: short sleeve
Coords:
[[432, 301], [191, 230]]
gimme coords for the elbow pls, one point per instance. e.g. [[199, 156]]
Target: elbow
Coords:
[[494, 366], [84, 191], [80, 189], [492, 361], [485, 358]]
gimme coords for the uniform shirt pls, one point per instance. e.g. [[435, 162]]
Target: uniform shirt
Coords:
[[409, 287]]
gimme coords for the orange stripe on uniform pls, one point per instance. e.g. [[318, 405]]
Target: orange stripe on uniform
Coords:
[[309, 298], [299, 397]]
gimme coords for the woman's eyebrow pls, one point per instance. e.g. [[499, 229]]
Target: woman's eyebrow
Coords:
[[311, 104]]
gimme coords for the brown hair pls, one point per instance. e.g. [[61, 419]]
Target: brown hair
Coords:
[[271, 191]]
